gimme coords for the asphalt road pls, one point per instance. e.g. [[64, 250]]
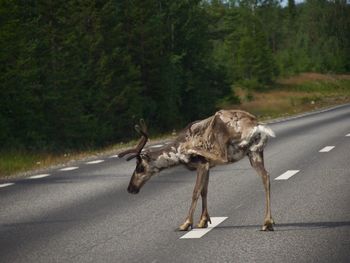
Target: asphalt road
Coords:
[[86, 214]]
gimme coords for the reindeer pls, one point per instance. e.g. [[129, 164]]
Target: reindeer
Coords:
[[224, 138]]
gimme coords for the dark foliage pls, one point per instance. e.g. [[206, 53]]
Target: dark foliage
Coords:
[[79, 73]]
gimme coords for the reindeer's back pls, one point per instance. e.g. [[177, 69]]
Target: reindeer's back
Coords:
[[237, 122], [210, 137]]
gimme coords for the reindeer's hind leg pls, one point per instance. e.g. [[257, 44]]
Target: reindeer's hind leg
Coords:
[[205, 218], [202, 174], [256, 159]]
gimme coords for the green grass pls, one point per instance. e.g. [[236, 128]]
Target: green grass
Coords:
[[14, 162], [325, 87]]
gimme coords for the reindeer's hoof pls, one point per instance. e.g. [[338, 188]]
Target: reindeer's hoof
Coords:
[[268, 225], [186, 226], [203, 223]]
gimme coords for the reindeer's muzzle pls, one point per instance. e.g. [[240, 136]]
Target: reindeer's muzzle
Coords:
[[132, 189]]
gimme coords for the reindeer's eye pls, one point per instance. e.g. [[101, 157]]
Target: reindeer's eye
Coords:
[[140, 168]]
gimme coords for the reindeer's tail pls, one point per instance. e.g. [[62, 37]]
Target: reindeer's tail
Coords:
[[258, 137], [264, 129]]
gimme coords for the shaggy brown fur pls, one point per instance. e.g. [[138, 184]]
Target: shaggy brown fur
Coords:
[[223, 138]]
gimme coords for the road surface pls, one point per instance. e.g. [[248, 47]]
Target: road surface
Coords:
[[84, 213]]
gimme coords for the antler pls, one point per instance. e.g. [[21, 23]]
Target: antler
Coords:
[[142, 129]]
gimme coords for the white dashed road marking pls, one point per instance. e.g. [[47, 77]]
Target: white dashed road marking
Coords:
[[326, 149], [96, 161], [287, 175], [114, 156], [69, 168], [4, 185], [38, 176], [348, 135], [199, 232], [156, 146]]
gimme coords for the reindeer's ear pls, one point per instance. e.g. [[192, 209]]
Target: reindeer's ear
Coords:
[[146, 157]]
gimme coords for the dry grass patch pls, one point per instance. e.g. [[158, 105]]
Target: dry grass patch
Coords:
[[305, 92], [311, 77]]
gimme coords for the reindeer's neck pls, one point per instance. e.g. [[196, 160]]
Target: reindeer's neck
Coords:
[[167, 157]]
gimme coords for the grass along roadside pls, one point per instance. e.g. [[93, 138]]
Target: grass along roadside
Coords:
[[23, 163], [19, 164], [289, 96], [297, 94]]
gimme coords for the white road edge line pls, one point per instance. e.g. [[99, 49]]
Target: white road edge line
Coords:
[[95, 162], [199, 232], [287, 175], [326, 149], [69, 168], [5, 185], [38, 176]]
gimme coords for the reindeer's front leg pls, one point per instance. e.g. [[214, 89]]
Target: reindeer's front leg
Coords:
[[201, 183]]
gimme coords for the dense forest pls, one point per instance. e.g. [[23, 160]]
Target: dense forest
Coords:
[[76, 74]]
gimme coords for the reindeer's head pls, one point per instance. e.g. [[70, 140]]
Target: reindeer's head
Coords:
[[143, 170]]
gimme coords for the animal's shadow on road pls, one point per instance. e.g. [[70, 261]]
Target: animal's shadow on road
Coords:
[[294, 226]]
